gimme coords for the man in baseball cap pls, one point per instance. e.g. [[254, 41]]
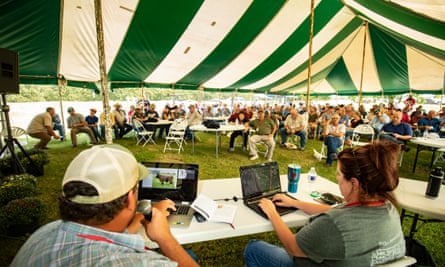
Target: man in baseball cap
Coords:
[[98, 216]]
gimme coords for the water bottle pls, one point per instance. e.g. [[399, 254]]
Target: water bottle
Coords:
[[434, 183], [312, 177], [425, 133]]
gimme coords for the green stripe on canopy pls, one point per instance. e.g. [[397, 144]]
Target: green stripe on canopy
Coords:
[[155, 28], [340, 36], [244, 32], [324, 11], [33, 30], [390, 58]]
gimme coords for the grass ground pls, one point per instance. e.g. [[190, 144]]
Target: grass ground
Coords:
[[224, 252]]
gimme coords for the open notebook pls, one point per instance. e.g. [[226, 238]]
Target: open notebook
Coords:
[[261, 181], [175, 181]]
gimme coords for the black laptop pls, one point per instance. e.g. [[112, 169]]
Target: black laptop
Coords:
[[261, 181], [175, 181]]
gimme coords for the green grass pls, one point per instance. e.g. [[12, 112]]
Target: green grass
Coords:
[[224, 252]]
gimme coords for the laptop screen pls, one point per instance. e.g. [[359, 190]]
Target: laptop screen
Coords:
[[176, 181], [260, 179]]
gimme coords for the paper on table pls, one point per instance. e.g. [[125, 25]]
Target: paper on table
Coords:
[[212, 211]]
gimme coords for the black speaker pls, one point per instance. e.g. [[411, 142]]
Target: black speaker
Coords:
[[9, 75]]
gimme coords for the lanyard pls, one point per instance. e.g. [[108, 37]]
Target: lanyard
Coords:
[[102, 239], [366, 203]]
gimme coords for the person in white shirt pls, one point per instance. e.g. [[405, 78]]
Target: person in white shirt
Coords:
[[294, 125]]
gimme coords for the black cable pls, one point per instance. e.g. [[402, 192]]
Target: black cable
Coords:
[[234, 198]]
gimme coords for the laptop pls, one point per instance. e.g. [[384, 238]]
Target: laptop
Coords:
[[175, 181], [261, 181]]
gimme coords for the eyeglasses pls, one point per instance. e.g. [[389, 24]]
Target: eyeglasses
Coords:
[[357, 166]]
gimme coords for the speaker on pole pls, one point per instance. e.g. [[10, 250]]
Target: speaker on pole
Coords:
[[9, 72]]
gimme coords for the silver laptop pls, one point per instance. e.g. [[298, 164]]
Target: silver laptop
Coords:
[[175, 181], [262, 181]]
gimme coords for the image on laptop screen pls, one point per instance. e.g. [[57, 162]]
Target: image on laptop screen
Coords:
[[176, 181], [260, 178]]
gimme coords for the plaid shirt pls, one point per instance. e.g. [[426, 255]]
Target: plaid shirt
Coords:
[[71, 244]]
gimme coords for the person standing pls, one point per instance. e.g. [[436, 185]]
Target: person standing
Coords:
[[41, 127], [77, 124], [364, 231], [99, 222]]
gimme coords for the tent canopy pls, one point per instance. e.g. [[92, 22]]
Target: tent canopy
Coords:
[[233, 45]]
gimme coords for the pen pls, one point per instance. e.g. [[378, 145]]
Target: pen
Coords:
[[231, 225]]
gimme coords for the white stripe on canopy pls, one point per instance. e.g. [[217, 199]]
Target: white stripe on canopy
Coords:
[[353, 62], [399, 28], [279, 29], [339, 21], [424, 72], [199, 39], [431, 8], [327, 60], [79, 56]]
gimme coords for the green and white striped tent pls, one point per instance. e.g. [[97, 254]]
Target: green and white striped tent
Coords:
[[373, 46]]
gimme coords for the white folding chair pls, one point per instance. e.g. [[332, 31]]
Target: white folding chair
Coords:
[[16, 133], [402, 262], [142, 134], [175, 136], [362, 131]]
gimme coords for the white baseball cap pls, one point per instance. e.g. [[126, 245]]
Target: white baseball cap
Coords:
[[111, 169]]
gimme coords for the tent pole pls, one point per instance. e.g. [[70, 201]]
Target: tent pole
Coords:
[[61, 82], [363, 64], [103, 70], [311, 32]]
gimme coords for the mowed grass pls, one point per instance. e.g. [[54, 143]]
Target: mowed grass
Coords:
[[224, 252]]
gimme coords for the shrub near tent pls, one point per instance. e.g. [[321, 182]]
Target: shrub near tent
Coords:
[[20, 210]]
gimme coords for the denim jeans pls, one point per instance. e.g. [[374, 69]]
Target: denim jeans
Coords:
[[333, 143], [260, 253]]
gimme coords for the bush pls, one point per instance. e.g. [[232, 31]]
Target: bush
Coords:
[[21, 216], [39, 158], [17, 186]]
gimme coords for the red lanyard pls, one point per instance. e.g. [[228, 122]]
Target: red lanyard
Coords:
[[100, 238], [367, 203]]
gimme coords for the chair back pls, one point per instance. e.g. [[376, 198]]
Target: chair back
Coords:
[[362, 129], [138, 126]]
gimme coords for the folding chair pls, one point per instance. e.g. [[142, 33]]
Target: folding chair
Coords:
[[142, 134], [403, 262], [175, 136], [362, 130], [16, 133]]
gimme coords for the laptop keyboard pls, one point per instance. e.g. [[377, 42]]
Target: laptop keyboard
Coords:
[[181, 210]]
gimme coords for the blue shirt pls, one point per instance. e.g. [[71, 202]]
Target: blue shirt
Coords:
[[91, 119], [401, 128], [435, 122], [71, 244]]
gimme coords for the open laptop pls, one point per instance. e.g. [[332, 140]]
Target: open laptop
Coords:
[[175, 181], [261, 181]]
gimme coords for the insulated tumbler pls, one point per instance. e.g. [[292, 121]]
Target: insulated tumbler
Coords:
[[293, 176]]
